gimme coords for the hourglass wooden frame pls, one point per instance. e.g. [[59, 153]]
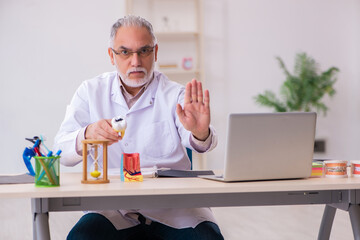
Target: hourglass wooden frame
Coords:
[[104, 178]]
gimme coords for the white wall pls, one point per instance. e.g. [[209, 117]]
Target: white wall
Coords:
[[48, 47], [243, 40]]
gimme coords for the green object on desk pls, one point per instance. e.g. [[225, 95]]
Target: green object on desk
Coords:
[[47, 171]]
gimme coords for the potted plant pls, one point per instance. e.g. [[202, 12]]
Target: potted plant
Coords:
[[304, 89]]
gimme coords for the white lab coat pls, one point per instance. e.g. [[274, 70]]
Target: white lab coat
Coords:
[[153, 130]]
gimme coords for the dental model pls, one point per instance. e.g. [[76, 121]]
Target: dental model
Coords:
[[119, 125]]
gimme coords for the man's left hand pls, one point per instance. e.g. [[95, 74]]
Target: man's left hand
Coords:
[[195, 116]]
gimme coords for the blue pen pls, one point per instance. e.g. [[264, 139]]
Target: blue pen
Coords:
[[52, 163], [122, 168], [58, 153]]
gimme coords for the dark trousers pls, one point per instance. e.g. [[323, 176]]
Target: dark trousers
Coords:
[[96, 226]]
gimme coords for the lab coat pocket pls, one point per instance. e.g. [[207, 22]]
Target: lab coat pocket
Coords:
[[159, 141]]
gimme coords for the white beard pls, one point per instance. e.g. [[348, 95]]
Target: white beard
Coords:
[[139, 82]]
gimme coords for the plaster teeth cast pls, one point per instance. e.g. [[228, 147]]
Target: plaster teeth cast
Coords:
[[119, 125]]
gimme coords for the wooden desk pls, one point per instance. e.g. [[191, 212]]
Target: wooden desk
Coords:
[[188, 192]]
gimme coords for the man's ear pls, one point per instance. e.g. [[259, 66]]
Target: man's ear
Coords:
[[111, 54], [156, 51]]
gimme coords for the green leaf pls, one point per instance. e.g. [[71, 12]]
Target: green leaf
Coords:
[[269, 99], [304, 89]]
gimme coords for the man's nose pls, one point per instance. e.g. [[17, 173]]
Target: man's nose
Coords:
[[135, 60]]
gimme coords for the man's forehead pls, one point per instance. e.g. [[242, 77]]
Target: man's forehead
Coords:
[[132, 37]]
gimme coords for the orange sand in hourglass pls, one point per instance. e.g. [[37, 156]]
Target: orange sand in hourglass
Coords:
[[131, 164]]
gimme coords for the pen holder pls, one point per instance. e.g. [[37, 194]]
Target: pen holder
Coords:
[[47, 171]]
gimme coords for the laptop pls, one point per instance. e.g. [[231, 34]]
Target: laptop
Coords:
[[265, 146]]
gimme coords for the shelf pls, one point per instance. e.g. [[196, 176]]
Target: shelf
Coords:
[[178, 71]]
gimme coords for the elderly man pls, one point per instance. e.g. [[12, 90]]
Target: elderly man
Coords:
[[162, 117]]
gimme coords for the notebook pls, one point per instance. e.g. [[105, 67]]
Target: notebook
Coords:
[[264, 146]]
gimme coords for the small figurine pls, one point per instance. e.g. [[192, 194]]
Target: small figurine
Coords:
[[131, 171], [119, 125]]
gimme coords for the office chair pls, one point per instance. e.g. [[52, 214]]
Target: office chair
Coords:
[[189, 153]]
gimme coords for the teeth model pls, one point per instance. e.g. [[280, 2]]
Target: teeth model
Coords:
[[119, 125]]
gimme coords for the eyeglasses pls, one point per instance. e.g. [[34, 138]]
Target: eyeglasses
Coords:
[[142, 52]]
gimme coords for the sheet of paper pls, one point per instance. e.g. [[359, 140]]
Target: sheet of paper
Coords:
[[16, 179]]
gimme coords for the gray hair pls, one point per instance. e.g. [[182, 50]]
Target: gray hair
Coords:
[[131, 21]]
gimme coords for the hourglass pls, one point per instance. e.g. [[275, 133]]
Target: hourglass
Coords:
[[93, 145]]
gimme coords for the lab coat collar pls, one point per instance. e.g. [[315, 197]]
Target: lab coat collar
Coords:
[[116, 95]]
